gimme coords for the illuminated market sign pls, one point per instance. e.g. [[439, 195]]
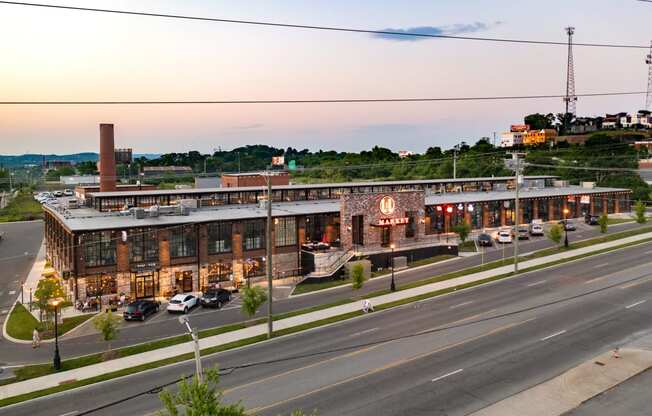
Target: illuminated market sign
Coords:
[[393, 221], [387, 205]]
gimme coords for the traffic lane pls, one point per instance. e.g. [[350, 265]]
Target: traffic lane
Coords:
[[396, 322], [476, 374], [495, 295], [18, 248], [629, 398]]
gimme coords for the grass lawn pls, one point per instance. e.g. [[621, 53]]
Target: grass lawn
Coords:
[[467, 246], [21, 323], [21, 208]]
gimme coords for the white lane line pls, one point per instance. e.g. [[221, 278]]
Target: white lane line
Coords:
[[635, 304], [364, 332], [4, 311], [553, 335], [537, 283], [12, 292], [461, 304], [648, 252], [599, 266], [452, 373], [74, 412], [597, 279]]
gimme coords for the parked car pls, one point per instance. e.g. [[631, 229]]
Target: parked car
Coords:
[[523, 233], [57, 194], [536, 229], [43, 196], [484, 240], [591, 219], [50, 201], [140, 310], [68, 192], [504, 236], [215, 298], [182, 303], [569, 225]]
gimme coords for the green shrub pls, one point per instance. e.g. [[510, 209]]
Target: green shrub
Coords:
[[357, 276]]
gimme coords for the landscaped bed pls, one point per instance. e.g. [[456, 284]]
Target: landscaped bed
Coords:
[[21, 324]]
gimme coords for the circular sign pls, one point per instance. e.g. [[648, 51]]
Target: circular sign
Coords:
[[387, 205]]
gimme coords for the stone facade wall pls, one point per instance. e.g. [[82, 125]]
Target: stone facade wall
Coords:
[[368, 205]]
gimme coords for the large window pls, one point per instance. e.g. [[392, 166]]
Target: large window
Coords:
[[219, 237], [183, 241], [254, 235], [99, 249], [220, 272], [101, 285], [143, 245], [357, 223], [286, 231], [183, 281], [253, 267]]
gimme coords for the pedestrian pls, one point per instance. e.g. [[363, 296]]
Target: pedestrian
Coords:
[[616, 353], [36, 339], [367, 306]]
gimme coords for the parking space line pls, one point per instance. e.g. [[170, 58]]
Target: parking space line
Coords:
[[635, 304], [452, 373]]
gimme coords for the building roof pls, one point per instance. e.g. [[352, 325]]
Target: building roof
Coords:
[[87, 219], [311, 186], [165, 168]]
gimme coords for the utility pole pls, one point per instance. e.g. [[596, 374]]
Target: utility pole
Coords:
[[648, 97], [268, 250], [455, 148], [517, 158]]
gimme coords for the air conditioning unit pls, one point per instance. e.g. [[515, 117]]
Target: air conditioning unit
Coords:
[[262, 204], [153, 211], [138, 213], [189, 203], [588, 185], [560, 184], [72, 204]]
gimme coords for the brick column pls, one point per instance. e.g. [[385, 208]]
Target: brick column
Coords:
[[485, 215], [122, 253], [467, 217], [616, 203], [535, 209], [605, 206], [503, 215], [551, 210], [164, 248]]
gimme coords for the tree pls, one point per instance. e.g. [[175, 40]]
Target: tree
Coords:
[[539, 121], [555, 233], [252, 299], [603, 221], [357, 276], [639, 210], [195, 398], [107, 323], [463, 230], [86, 168], [47, 290]]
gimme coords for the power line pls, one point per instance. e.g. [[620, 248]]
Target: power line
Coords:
[[319, 101], [322, 28]]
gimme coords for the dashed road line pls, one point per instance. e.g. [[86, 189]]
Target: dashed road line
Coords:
[[452, 373], [635, 284], [367, 331], [540, 282], [461, 304], [635, 304], [597, 279], [599, 266], [553, 335], [12, 292]]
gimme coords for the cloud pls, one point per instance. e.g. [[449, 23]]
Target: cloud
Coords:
[[456, 29], [249, 126]]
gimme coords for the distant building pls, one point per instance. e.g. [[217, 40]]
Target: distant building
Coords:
[[56, 164], [405, 153], [511, 139], [641, 119], [123, 156], [235, 180], [149, 171], [206, 182], [75, 180]]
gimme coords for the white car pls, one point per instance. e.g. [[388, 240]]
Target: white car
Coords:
[[182, 303], [504, 236], [50, 201], [43, 196], [536, 229], [68, 192]]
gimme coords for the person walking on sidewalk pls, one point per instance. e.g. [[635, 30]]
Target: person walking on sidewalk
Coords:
[[36, 339], [367, 306]]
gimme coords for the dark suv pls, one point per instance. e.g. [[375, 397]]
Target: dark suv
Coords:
[[140, 309], [215, 298], [591, 219]]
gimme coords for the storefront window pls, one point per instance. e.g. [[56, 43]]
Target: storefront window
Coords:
[[143, 245], [254, 234], [597, 202], [357, 222], [220, 272], [144, 285], [183, 281], [286, 231], [543, 210], [220, 237], [183, 241], [494, 213], [527, 211], [475, 211], [436, 215], [254, 266], [101, 285], [411, 226], [99, 249]]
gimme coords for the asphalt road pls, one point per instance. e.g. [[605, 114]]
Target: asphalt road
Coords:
[[164, 325], [449, 355], [18, 248], [630, 398]]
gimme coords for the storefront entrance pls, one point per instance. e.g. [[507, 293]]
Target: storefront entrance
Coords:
[[144, 285], [385, 236], [183, 281]]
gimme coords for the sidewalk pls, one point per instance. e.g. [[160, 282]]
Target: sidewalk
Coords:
[[53, 380]]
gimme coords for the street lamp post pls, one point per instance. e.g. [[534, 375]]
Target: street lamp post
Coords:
[[566, 211], [392, 285], [183, 320], [56, 362]]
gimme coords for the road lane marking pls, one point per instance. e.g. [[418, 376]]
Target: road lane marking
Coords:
[[451, 324], [452, 373], [553, 335], [461, 304], [537, 283], [4, 311], [364, 332], [597, 279], [627, 286], [74, 412], [599, 266], [388, 366], [635, 304], [12, 292], [648, 252]]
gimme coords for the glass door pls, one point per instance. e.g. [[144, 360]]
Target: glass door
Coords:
[[144, 286]]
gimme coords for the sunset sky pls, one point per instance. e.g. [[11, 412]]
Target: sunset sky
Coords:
[[68, 55]]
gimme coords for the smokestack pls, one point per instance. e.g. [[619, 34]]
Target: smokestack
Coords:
[[107, 159]]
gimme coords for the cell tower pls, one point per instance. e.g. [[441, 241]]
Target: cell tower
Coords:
[[648, 97], [570, 99]]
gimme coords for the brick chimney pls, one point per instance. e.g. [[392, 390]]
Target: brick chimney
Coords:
[[107, 159]]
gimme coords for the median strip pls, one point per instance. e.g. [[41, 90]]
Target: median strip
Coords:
[[241, 335]]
